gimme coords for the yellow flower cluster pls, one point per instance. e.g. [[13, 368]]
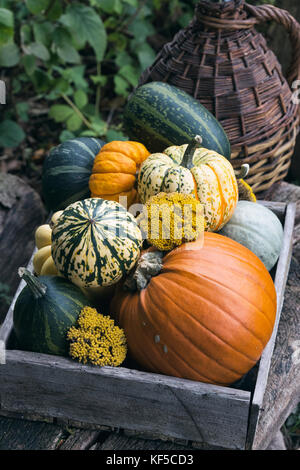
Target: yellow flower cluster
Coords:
[[97, 340], [169, 220]]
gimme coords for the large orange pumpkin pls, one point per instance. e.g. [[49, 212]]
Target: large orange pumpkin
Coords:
[[206, 316], [114, 170]]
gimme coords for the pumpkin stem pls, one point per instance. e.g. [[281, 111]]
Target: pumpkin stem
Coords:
[[149, 265], [243, 172], [187, 160], [37, 288]]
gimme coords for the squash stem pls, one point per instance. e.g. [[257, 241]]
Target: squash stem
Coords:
[[187, 160], [149, 265], [243, 172], [37, 288]]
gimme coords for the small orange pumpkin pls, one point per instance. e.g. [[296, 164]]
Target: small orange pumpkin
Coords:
[[206, 316], [114, 170]]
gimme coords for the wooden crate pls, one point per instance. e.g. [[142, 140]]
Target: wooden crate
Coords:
[[58, 389]]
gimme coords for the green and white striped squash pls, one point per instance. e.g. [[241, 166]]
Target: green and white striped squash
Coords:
[[66, 172], [95, 242], [258, 229]]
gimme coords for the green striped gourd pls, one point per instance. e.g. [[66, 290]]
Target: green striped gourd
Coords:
[[95, 242], [44, 311], [66, 172], [257, 228], [160, 115]]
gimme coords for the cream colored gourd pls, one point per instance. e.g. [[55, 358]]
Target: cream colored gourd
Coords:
[[43, 263]]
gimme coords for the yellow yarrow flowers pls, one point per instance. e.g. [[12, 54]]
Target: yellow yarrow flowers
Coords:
[[171, 219], [97, 340]]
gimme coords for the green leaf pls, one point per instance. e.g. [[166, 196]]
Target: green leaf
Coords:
[[9, 55], [121, 86], [60, 112], [74, 122], [109, 6], [41, 80], [113, 134], [25, 34], [11, 134], [146, 55], [80, 98], [76, 75], [38, 50], [6, 18], [68, 54], [29, 63], [130, 73], [43, 33], [99, 126], [55, 10], [37, 6], [66, 135], [123, 58], [22, 110], [99, 79], [84, 22], [6, 26]]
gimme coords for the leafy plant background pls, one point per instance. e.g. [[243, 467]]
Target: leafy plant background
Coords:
[[69, 67]]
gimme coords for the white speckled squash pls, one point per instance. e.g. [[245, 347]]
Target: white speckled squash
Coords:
[[257, 228], [95, 242], [191, 170]]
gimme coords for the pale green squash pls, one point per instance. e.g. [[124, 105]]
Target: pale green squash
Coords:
[[257, 228]]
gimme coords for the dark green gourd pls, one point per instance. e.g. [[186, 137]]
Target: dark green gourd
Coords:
[[44, 311], [160, 115], [66, 172]]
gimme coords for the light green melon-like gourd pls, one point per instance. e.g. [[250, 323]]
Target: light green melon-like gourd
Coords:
[[257, 228], [95, 242]]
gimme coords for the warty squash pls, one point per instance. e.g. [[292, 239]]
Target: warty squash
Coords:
[[206, 316]]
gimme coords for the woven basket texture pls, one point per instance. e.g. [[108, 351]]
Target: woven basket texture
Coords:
[[224, 62]]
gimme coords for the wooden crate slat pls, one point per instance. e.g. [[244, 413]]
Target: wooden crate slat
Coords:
[[124, 398], [280, 280]]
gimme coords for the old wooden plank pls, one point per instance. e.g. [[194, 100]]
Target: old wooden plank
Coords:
[[280, 280], [21, 212], [121, 442], [130, 399], [18, 434], [283, 387], [80, 439]]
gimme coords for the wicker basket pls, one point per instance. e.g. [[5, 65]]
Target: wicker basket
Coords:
[[222, 61]]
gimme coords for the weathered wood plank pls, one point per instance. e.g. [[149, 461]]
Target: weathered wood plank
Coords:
[[121, 442], [21, 212], [283, 387], [18, 434], [130, 399], [80, 440]]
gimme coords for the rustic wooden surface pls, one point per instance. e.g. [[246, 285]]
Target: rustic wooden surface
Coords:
[[282, 394], [21, 211]]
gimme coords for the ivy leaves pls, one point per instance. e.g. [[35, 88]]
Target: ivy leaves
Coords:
[[73, 56]]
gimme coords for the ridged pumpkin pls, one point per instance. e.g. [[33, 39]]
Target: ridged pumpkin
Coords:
[[258, 228], [114, 170], [206, 316], [191, 170], [95, 242]]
